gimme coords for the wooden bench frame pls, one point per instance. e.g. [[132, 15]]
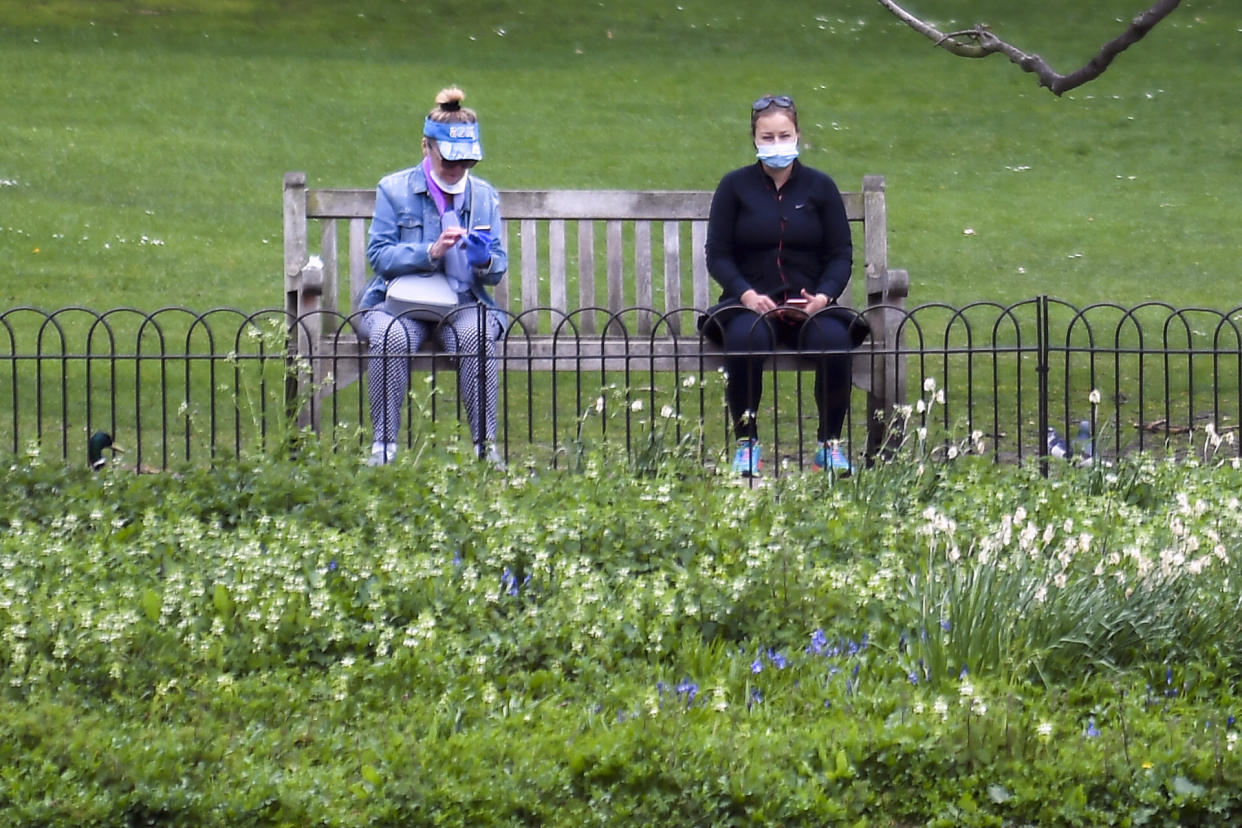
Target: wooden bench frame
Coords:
[[553, 331]]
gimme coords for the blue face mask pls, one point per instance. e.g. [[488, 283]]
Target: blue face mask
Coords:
[[777, 156]]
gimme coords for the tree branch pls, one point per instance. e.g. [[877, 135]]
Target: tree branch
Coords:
[[980, 42]]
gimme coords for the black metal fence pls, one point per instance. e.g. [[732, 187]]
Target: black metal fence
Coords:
[[179, 387]]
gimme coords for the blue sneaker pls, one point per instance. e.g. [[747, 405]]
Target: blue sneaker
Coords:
[[748, 459], [829, 455]]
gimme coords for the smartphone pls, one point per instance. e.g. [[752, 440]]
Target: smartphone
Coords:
[[482, 228], [797, 302]]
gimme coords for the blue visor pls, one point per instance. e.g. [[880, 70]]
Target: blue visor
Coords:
[[456, 142]]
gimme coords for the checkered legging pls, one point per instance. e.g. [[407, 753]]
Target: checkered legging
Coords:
[[390, 338]]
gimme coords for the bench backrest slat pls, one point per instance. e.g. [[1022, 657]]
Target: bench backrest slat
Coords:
[[359, 271], [328, 250], [586, 271]]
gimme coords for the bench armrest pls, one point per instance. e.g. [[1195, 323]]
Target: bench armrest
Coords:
[[310, 277]]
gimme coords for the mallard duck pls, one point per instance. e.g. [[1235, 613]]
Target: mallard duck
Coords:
[[98, 443]]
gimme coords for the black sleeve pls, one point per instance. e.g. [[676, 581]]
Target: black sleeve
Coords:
[[721, 222], [838, 246]]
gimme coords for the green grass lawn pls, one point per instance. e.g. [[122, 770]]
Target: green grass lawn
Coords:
[[142, 147]]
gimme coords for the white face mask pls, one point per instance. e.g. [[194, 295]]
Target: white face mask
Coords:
[[451, 189], [777, 156]]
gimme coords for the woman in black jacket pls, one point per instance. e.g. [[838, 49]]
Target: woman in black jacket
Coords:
[[778, 242]]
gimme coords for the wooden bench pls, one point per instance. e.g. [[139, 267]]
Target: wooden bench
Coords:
[[648, 263]]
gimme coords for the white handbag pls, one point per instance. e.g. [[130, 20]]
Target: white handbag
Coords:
[[429, 298]]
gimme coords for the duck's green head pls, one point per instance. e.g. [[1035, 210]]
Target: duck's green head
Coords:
[[95, 447]]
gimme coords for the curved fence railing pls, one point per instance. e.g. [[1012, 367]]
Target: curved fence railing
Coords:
[[176, 386]]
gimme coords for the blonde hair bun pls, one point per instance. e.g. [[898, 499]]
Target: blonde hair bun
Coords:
[[450, 98]]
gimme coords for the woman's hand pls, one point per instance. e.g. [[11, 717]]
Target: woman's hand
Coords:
[[815, 302], [449, 238], [758, 302]]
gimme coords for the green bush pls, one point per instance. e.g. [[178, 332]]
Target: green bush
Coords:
[[313, 643]]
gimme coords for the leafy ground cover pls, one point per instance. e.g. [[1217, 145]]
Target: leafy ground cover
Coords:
[[935, 641], [145, 145]]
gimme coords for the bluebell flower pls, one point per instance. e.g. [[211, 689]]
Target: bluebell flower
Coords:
[[818, 642], [853, 648], [901, 643], [755, 698], [1092, 730], [965, 672], [851, 684], [332, 565], [945, 625], [1229, 722], [777, 659], [914, 677], [688, 689], [756, 666]]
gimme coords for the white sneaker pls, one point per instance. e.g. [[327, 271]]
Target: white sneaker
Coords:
[[382, 454], [488, 453]]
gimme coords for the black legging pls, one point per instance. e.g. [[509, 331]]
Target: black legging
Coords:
[[747, 339]]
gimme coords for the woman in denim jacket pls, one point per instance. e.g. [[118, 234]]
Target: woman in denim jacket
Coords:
[[421, 226]]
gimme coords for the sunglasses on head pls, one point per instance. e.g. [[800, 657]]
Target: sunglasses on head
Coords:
[[783, 101]]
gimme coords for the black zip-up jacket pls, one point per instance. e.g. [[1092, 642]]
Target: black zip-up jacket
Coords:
[[778, 242]]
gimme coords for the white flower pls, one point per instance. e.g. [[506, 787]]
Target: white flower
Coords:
[[599, 404], [689, 381], [637, 405], [1094, 396], [1044, 730], [929, 384], [667, 412]]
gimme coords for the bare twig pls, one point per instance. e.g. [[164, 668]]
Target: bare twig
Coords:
[[979, 42]]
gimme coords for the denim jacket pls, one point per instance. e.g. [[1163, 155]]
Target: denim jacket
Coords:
[[406, 223]]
